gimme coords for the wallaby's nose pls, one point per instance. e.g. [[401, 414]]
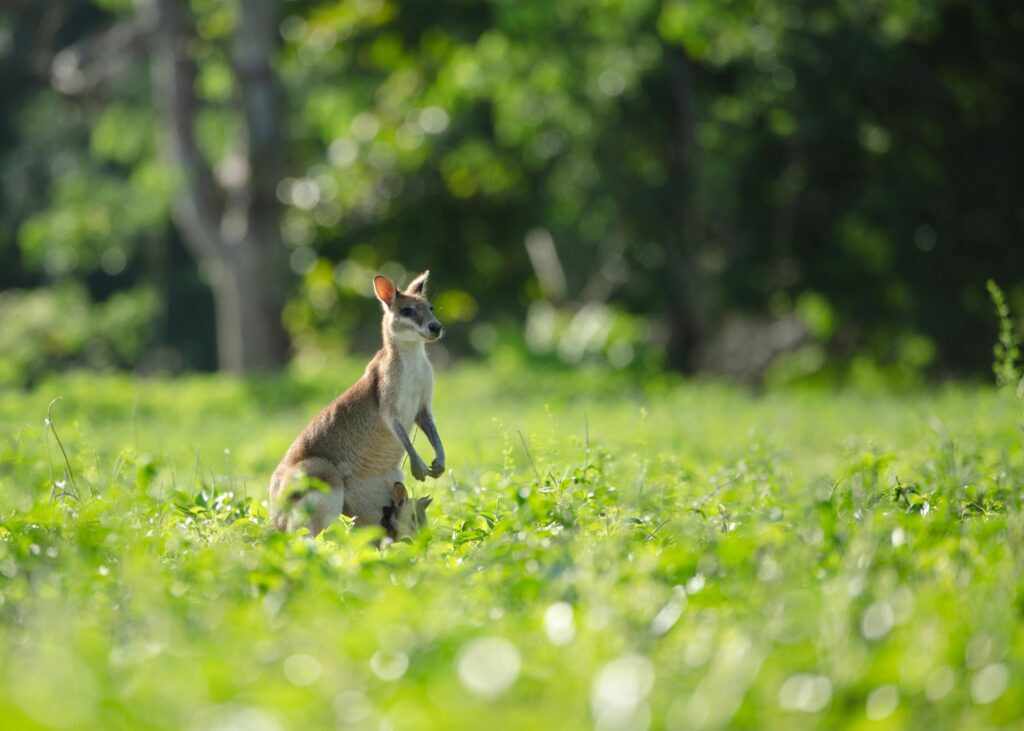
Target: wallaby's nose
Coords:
[[435, 328]]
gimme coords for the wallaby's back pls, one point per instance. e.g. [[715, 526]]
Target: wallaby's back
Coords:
[[348, 433]]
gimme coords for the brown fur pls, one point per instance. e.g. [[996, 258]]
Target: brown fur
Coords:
[[355, 445]]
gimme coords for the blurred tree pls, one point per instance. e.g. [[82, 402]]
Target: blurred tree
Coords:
[[234, 229], [229, 220], [853, 163], [35, 138], [686, 159]]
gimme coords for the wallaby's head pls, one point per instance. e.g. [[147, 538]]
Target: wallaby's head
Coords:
[[407, 315], [404, 516]]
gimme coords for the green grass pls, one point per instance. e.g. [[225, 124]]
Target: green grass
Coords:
[[669, 555]]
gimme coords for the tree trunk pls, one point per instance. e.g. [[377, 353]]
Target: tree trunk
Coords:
[[233, 229], [248, 297], [687, 310]]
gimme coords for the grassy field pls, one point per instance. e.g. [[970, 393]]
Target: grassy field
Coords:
[[602, 554]]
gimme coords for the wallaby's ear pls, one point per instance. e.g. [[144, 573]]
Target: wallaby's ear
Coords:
[[425, 501], [385, 290], [399, 494], [416, 285]]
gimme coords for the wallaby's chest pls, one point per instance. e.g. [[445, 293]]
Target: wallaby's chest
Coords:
[[411, 382]]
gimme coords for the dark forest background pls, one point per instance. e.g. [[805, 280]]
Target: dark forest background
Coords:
[[767, 190]]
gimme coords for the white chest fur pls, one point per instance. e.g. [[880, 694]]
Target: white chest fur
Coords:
[[414, 383]]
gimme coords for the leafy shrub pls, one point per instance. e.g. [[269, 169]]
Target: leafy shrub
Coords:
[[53, 328]]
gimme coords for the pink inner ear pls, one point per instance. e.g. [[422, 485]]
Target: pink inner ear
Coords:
[[385, 289]]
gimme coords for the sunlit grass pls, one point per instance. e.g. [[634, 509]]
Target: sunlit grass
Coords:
[[603, 553]]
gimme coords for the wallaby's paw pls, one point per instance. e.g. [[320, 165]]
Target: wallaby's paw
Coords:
[[436, 469], [419, 469]]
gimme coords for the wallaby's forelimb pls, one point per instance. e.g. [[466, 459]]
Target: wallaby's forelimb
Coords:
[[416, 464], [426, 422]]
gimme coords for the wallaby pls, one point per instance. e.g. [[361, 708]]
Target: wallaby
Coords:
[[355, 445], [404, 517]]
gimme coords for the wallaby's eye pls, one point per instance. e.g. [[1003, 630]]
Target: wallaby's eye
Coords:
[[408, 312], [431, 308]]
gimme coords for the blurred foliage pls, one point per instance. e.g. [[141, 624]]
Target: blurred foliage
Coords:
[[854, 163], [666, 557], [59, 327], [1006, 354]]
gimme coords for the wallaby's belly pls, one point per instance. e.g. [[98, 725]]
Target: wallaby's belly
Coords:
[[382, 455], [366, 497]]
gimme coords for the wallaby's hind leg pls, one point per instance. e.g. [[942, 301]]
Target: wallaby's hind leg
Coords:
[[292, 507]]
